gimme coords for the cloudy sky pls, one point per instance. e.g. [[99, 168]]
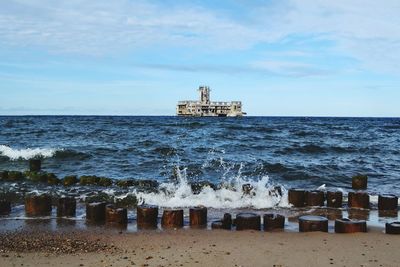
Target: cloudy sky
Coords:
[[128, 57]]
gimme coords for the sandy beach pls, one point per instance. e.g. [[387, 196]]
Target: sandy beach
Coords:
[[190, 247]]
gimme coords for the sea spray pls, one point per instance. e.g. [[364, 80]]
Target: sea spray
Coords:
[[264, 194], [27, 153]]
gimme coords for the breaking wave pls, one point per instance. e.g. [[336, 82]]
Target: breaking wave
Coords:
[[263, 194], [26, 153]]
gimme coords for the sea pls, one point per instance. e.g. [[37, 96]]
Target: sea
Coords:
[[221, 154]]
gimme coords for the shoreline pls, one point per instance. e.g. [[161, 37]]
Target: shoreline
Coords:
[[192, 247]]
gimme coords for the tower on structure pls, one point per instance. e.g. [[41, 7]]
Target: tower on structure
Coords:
[[204, 95]]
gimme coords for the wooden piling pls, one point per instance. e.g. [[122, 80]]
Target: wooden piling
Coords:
[[227, 221], [96, 212], [350, 226], [358, 214], [310, 223], [116, 215], [248, 221], [38, 205], [147, 216], [5, 207], [315, 198], [273, 222], [334, 199], [198, 217], [358, 200], [359, 182], [66, 207], [392, 228], [387, 202], [35, 165], [297, 197], [172, 218]]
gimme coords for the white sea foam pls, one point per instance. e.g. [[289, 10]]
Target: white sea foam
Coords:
[[263, 195], [27, 153]]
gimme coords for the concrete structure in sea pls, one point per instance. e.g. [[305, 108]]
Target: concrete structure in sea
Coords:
[[205, 108]]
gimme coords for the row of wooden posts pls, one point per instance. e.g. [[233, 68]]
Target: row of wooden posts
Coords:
[[147, 217], [334, 199]]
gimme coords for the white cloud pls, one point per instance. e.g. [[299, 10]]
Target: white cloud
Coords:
[[367, 31]]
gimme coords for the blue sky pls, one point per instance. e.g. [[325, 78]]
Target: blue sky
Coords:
[[122, 57]]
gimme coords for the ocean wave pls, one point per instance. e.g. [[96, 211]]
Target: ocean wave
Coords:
[[26, 153], [263, 194]]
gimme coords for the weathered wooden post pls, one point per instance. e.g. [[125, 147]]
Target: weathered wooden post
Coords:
[[333, 214], [392, 228], [358, 200], [96, 212], [246, 189], [198, 217], [350, 226], [334, 199], [5, 207], [225, 223], [116, 215], [297, 197], [358, 214], [38, 205], [387, 202], [313, 223], [315, 198], [359, 182], [147, 216], [35, 165], [66, 207], [248, 221], [172, 218], [273, 221]]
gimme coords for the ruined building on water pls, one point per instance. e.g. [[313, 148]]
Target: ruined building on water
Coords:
[[205, 108]]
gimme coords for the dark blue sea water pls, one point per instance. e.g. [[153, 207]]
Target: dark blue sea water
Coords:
[[286, 151]]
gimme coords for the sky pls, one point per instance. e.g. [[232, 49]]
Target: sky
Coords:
[[126, 57]]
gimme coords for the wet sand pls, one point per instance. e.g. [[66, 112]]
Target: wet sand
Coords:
[[190, 247]]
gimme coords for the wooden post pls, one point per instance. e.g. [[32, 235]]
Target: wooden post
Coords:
[[38, 205], [225, 223], [172, 218], [217, 225], [147, 216], [313, 223], [393, 228], [198, 217], [359, 182], [358, 200], [358, 214], [350, 226], [387, 202], [333, 214], [66, 207], [35, 165], [248, 221], [334, 199], [315, 198], [5, 207], [116, 215], [96, 212], [246, 189], [297, 197], [273, 221]]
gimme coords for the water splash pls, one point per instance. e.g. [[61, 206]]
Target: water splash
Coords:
[[263, 194]]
